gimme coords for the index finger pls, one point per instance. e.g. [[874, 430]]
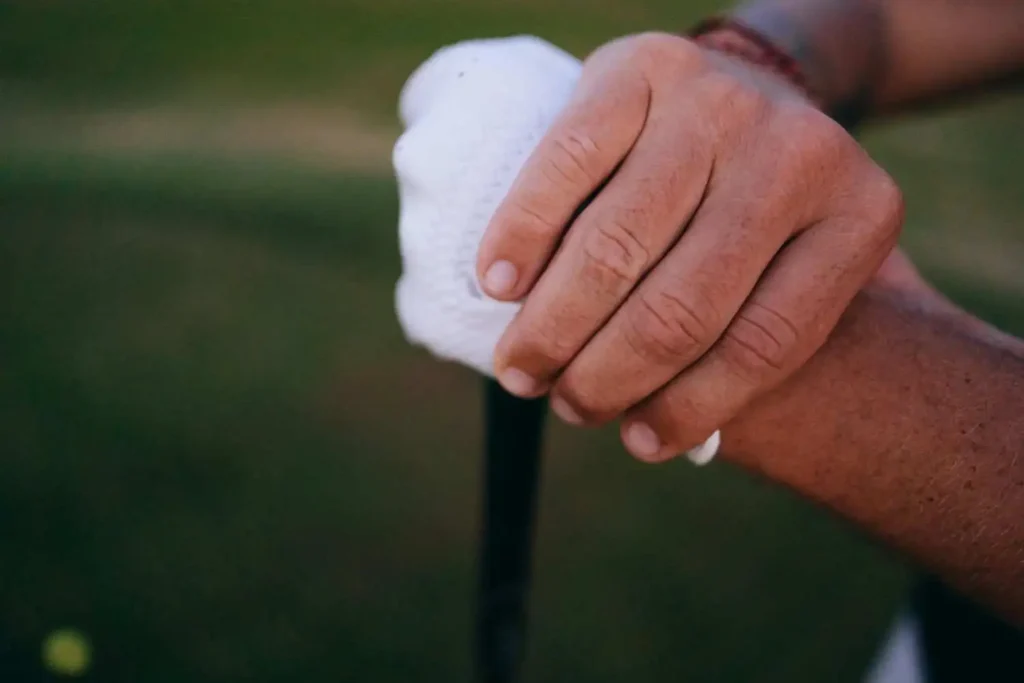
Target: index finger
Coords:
[[578, 153]]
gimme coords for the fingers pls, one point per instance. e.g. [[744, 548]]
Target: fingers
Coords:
[[611, 245], [676, 314], [899, 272], [579, 152], [786, 319]]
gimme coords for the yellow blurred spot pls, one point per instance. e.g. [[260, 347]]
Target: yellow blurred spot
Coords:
[[66, 652]]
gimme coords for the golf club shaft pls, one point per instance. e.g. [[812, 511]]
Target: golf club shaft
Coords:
[[514, 428]]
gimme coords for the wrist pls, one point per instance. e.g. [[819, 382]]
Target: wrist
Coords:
[[837, 47], [741, 44]]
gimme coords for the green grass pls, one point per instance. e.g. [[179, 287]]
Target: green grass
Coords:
[[353, 50], [222, 462]]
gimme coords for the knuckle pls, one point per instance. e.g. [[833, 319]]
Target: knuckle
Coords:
[[613, 251], [531, 219], [657, 54], [659, 45], [885, 202], [758, 342], [817, 146], [817, 129], [733, 100], [570, 158], [809, 153], [666, 328]]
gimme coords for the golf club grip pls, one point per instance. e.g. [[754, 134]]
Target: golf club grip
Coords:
[[514, 429]]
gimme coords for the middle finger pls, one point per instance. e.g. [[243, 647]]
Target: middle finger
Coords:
[[617, 238], [680, 309]]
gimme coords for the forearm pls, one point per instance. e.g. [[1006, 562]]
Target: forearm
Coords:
[[910, 423], [886, 55]]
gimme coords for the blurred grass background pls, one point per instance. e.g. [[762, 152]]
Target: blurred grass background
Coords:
[[220, 460]]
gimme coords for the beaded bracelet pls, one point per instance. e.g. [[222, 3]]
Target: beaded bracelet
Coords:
[[731, 36]]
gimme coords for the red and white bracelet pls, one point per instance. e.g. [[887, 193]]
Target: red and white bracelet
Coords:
[[732, 37]]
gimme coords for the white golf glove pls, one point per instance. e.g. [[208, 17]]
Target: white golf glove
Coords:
[[473, 113]]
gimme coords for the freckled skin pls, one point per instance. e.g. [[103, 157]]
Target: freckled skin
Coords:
[[720, 224], [910, 420], [695, 242], [910, 423], [692, 227]]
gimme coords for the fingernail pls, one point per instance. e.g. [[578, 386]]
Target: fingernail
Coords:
[[641, 441], [563, 410], [500, 278], [518, 382]]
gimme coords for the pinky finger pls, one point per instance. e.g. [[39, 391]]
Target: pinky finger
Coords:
[[787, 318]]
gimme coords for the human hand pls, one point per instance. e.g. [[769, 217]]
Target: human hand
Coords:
[[685, 236]]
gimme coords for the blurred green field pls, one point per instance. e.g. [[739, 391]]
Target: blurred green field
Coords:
[[221, 461]]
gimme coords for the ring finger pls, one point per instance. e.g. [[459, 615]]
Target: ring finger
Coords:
[[624, 231]]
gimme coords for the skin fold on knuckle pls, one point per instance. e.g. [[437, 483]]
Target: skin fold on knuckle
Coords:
[[759, 343], [613, 252], [570, 159], [522, 230], [530, 220], [664, 328]]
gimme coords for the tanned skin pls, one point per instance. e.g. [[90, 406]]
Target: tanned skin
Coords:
[[911, 419], [692, 239], [893, 55], [691, 220], [910, 423]]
